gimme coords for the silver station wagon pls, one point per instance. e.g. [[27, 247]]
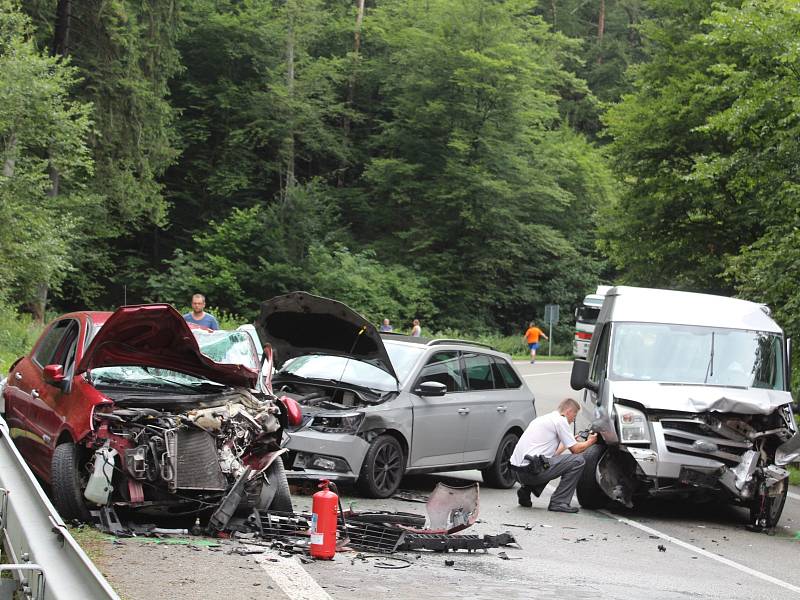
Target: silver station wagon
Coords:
[[378, 406]]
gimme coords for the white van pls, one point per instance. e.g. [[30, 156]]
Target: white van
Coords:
[[690, 395]]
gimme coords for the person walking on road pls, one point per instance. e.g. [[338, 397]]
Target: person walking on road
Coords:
[[386, 326], [198, 316], [416, 330], [539, 457], [532, 336]]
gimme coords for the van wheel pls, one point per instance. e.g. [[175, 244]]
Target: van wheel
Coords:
[[382, 469], [69, 481], [499, 473], [765, 511], [590, 494]]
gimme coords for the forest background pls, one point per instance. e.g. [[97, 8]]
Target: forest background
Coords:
[[464, 162]]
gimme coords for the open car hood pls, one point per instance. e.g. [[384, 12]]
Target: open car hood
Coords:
[[299, 323], [700, 398], [156, 335]]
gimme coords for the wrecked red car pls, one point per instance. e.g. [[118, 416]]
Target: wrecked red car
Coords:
[[136, 411]]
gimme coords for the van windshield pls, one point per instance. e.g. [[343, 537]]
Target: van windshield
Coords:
[[696, 355]]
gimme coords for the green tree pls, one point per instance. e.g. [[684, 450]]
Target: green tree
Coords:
[[472, 177], [40, 127], [124, 53], [682, 215]]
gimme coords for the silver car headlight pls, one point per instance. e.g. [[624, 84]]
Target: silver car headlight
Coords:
[[348, 422], [633, 427]]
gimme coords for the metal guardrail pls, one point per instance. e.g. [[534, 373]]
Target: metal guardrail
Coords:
[[46, 561]]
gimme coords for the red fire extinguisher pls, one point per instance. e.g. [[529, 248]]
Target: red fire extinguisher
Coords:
[[323, 522]]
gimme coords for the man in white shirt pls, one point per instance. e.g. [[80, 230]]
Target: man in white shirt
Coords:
[[548, 436]]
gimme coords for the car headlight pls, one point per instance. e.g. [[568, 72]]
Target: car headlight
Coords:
[[337, 422], [633, 427]]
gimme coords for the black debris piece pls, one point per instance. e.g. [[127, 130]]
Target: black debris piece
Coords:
[[449, 562], [662, 548]]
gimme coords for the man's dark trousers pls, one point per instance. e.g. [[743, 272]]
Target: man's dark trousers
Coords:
[[568, 466]]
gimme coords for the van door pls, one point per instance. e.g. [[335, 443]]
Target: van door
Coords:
[[598, 403]]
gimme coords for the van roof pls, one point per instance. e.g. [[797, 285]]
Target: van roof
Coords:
[[646, 305]]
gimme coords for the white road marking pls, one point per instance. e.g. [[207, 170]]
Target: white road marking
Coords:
[[292, 578], [543, 374], [793, 496], [706, 553]]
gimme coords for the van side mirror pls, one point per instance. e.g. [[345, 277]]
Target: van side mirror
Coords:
[[431, 388], [54, 375], [579, 378]]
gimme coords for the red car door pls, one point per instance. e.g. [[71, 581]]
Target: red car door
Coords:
[[33, 411]]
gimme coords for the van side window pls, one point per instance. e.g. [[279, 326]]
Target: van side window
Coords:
[[601, 355]]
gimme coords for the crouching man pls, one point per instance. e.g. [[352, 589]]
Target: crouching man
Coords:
[[539, 457]]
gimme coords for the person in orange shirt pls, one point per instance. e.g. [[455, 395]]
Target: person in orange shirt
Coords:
[[532, 339]]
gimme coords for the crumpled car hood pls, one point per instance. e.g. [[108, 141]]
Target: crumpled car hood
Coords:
[[700, 398], [299, 323], [156, 335]]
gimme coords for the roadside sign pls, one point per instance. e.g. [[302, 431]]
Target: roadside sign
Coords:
[[551, 314], [550, 317]]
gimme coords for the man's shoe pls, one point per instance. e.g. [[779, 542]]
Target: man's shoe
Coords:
[[565, 508], [524, 497]]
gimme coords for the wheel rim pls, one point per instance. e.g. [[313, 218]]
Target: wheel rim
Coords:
[[387, 468], [505, 458]]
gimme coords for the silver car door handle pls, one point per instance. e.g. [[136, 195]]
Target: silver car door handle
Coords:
[[463, 411], [18, 376], [501, 409], [34, 394]]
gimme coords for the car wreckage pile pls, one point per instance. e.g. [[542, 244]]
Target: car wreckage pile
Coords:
[[449, 511]]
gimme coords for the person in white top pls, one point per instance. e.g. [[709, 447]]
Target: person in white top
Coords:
[[548, 436]]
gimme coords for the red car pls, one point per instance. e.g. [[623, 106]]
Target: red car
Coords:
[[128, 409]]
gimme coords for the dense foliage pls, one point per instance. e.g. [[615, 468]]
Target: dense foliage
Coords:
[[460, 161]]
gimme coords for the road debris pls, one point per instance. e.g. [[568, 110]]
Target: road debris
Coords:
[[662, 548]]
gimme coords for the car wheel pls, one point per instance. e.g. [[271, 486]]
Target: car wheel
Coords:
[[275, 496], [282, 500], [382, 469], [590, 494], [499, 473], [69, 482], [765, 511]]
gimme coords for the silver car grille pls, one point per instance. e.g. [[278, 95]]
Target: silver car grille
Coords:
[[695, 438]]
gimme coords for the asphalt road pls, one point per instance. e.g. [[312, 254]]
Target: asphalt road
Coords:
[[707, 551]]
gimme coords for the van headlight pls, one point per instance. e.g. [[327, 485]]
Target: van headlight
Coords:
[[337, 422], [633, 427]]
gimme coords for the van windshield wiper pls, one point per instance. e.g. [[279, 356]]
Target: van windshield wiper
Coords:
[[710, 367]]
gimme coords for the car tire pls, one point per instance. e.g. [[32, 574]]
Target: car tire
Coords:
[[772, 509], [499, 473], [282, 500], [382, 469], [589, 492], [275, 496], [66, 467]]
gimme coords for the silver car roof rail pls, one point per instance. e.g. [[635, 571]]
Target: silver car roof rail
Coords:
[[438, 341]]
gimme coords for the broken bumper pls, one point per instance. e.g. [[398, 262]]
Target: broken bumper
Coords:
[[318, 455]]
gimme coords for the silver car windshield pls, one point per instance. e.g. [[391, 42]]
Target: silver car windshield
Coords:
[[349, 370], [225, 347], [696, 355]]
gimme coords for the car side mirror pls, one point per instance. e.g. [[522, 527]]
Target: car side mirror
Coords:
[[54, 375], [431, 388], [579, 378]]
